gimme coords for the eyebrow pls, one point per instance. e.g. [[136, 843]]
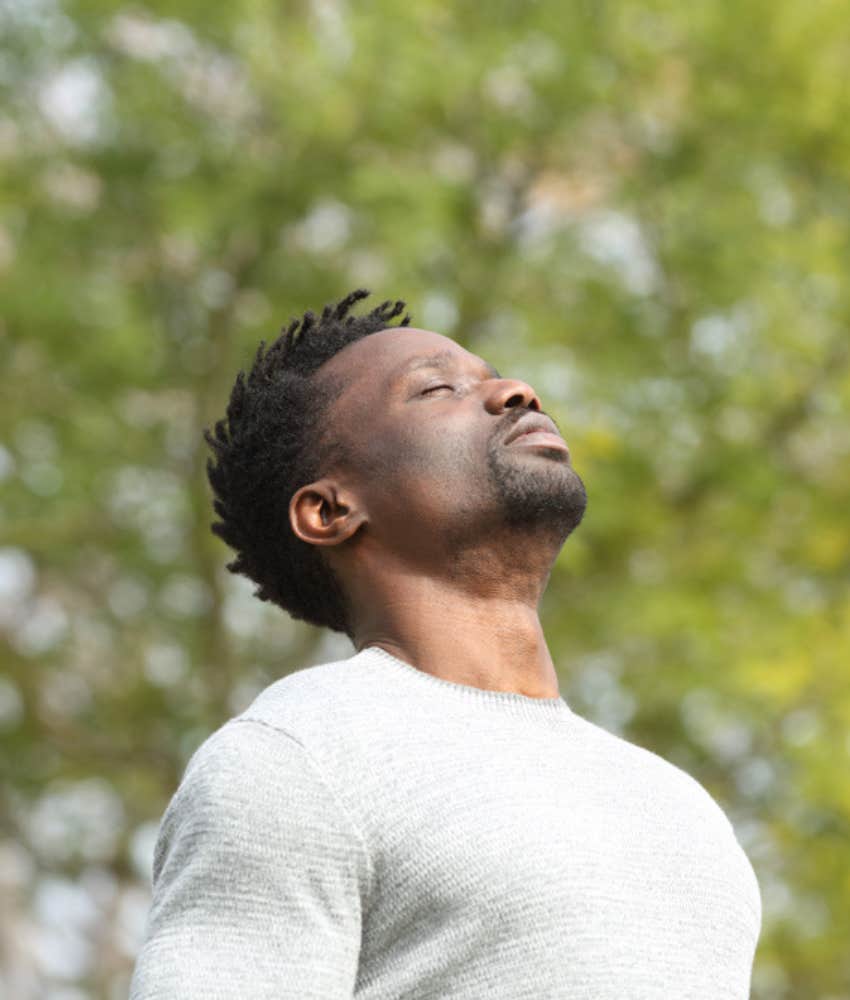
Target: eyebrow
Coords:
[[443, 360]]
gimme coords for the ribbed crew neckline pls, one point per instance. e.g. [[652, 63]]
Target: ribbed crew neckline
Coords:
[[510, 702]]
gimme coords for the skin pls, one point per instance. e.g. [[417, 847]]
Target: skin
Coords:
[[442, 535]]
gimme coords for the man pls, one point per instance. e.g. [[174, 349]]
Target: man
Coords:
[[427, 818]]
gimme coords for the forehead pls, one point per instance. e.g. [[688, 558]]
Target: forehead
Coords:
[[383, 357]]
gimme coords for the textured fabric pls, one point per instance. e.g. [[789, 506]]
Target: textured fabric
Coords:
[[368, 830]]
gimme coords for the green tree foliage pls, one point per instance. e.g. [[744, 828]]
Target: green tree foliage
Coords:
[[641, 206]]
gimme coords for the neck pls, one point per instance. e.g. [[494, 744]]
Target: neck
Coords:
[[473, 622]]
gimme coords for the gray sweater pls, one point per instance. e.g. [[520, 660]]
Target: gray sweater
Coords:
[[368, 830]]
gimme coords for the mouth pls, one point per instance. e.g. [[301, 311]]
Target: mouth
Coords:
[[537, 431], [540, 439]]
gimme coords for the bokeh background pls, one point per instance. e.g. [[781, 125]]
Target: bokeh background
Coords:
[[640, 206]]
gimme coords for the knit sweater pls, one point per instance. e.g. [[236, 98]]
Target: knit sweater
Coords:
[[366, 830]]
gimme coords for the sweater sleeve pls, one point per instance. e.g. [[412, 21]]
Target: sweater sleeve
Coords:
[[258, 878]]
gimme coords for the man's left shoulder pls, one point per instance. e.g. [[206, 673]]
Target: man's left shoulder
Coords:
[[663, 779]]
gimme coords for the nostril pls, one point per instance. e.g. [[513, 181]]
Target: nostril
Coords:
[[516, 400]]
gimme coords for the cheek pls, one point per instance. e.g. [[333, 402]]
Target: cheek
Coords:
[[438, 468], [418, 456], [426, 475], [440, 449]]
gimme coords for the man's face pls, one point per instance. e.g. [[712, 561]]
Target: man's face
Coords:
[[425, 428]]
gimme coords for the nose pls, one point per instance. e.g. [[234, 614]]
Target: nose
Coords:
[[506, 393]]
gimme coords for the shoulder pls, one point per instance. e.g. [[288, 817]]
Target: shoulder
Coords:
[[309, 702], [288, 742], [272, 736], [651, 774], [248, 784], [236, 772]]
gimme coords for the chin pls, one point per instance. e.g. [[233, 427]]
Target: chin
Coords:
[[547, 494]]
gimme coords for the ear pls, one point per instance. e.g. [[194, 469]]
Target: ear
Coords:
[[322, 514]]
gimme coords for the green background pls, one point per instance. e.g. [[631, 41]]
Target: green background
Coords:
[[640, 207]]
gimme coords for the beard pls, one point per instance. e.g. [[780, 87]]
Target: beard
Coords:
[[541, 492]]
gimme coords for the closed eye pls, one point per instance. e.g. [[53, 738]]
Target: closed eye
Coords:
[[434, 388]]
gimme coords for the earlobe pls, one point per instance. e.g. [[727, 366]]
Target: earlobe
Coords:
[[320, 515]]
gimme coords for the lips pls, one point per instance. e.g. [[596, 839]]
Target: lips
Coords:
[[539, 429]]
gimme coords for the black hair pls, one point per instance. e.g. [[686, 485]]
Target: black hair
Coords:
[[270, 445]]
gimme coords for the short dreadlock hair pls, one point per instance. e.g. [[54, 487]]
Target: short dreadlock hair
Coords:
[[270, 445]]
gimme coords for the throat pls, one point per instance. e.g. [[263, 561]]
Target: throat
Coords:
[[493, 644]]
